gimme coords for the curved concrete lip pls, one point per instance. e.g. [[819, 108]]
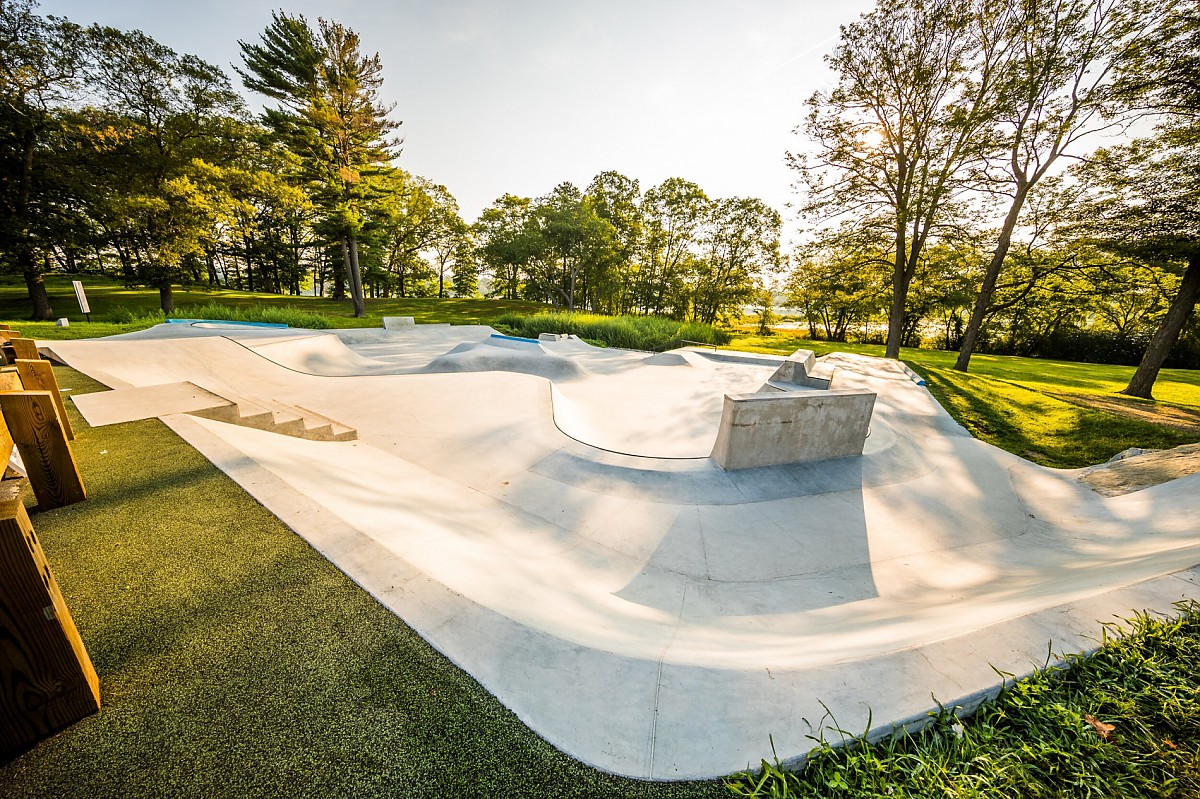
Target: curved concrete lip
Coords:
[[568, 544]]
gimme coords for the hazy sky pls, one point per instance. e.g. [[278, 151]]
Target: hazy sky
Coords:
[[517, 97]]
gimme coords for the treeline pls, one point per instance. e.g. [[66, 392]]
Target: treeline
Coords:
[[671, 251], [1076, 303], [934, 175], [122, 157]]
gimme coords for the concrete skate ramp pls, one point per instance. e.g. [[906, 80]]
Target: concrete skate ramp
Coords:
[[492, 356], [655, 411], [659, 617], [321, 354]]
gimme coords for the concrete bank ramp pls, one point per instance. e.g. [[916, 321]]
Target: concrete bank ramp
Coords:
[[503, 354], [323, 354]]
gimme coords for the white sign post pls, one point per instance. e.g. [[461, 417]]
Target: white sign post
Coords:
[[83, 303]]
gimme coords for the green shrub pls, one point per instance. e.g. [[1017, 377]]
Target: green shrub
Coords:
[[279, 315], [121, 315], [626, 332]]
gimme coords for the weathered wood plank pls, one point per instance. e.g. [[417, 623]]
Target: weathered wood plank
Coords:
[[9, 335], [10, 380], [47, 681], [25, 348], [33, 422], [6, 446], [39, 376]]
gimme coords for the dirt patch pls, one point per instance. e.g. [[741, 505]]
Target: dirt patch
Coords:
[[1134, 473], [1183, 419]]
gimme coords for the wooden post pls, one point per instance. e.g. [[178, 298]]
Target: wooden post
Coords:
[[25, 348], [47, 681], [32, 420], [39, 376]]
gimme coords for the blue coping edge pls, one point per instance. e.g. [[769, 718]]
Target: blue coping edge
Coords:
[[913, 376], [226, 322], [516, 338]]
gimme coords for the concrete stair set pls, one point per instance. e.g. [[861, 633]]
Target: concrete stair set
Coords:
[[276, 417]]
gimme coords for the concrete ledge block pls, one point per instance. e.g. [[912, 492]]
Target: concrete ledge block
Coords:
[[798, 369], [792, 427], [397, 322]]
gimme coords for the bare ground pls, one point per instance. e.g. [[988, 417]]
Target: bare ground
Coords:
[[1133, 473]]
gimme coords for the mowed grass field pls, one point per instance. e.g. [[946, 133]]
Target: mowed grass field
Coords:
[[111, 301]]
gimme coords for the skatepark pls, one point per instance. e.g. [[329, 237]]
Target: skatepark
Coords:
[[555, 518]]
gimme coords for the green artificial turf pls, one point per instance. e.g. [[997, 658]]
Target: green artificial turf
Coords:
[[235, 661]]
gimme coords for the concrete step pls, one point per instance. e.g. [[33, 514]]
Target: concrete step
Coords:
[[277, 417]]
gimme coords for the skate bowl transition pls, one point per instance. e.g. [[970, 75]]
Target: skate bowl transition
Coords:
[[662, 563]]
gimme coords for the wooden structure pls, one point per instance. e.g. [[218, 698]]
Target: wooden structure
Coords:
[[25, 348], [34, 426], [47, 681], [38, 375]]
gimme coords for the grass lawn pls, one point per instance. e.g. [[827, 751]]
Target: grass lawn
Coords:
[[1124, 722], [108, 298], [1042, 410], [235, 661]]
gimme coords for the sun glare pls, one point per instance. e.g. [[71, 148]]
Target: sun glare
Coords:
[[870, 140]]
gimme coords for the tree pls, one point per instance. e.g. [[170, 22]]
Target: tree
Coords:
[[174, 114], [1149, 209], [329, 114], [742, 251], [675, 213], [577, 245], [1055, 86], [40, 59], [616, 199], [916, 84], [836, 281], [505, 244], [1150, 206]]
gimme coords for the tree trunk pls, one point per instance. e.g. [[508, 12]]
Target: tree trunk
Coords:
[[901, 277], [1143, 379], [988, 289], [37, 288], [895, 337], [166, 299], [356, 287]]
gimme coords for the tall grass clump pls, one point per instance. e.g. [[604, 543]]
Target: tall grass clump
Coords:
[[1123, 721], [121, 315], [273, 314], [626, 332]]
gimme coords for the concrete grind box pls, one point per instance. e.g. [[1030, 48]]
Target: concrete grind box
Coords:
[[775, 428]]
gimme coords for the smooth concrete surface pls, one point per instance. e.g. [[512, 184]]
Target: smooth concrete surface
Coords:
[[773, 428], [569, 544], [145, 402]]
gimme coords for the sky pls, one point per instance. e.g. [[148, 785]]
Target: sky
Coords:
[[519, 96]]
